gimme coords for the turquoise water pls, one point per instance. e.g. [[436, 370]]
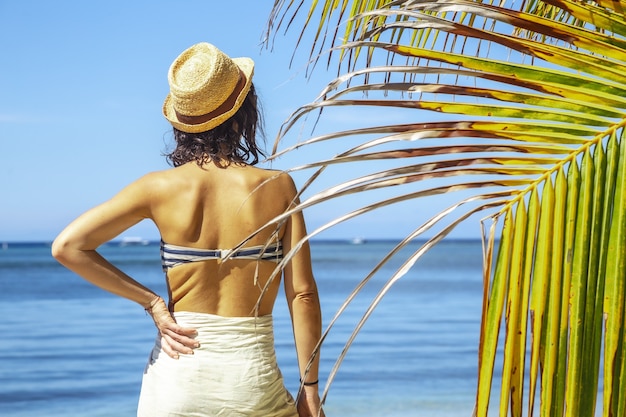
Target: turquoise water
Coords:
[[70, 349]]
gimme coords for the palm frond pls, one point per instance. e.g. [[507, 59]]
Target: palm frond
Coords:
[[541, 89]]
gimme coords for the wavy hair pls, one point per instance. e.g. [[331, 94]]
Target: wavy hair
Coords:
[[234, 141]]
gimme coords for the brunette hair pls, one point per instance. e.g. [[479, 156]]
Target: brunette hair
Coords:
[[234, 141]]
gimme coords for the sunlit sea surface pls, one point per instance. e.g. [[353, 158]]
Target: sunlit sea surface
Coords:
[[70, 349]]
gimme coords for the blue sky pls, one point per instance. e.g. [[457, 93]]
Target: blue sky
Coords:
[[80, 111]]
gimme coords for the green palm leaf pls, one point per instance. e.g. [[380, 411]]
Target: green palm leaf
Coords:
[[538, 147]]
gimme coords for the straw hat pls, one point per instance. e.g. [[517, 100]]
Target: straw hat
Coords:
[[206, 88]]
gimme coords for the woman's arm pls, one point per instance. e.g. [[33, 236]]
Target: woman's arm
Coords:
[[304, 306], [76, 245]]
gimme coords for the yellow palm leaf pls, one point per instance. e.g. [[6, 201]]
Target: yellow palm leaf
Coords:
[[530, 106]]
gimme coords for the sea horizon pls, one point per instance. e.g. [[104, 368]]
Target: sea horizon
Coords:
[[352, 240]]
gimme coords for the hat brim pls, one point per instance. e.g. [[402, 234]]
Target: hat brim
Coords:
[[246, 65]]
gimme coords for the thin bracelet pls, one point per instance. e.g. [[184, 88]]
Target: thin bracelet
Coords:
[[151, 305], [308, 384]]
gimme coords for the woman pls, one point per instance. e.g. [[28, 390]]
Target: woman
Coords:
[[214, 353]]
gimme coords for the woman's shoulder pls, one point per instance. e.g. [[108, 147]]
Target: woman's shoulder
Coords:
[[273, 173], [155, 182], [275, 177], [155, 178]]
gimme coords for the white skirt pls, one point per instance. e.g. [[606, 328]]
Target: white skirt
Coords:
[[233, 372]]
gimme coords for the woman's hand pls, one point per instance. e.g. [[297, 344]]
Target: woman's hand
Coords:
[[309, 404], [175, 340]]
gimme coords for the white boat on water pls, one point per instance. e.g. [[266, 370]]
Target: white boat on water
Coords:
[[134, 241], [358, 241]]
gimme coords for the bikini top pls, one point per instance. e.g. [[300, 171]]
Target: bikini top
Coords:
[[172, 255]]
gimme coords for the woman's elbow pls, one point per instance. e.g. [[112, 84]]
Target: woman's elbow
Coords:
[[307, 298], [59, 248], [62, 248]]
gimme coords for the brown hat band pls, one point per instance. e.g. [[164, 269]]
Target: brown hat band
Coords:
[[226, 105]]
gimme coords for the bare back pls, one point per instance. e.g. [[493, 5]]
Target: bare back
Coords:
[[217, 208]]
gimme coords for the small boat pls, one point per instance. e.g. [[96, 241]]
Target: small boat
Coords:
[[358, 241], [134, 241]]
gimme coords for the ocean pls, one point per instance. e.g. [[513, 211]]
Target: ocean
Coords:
[[68, 348]]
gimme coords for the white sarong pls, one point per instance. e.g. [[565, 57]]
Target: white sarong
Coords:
[[233, 372]]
